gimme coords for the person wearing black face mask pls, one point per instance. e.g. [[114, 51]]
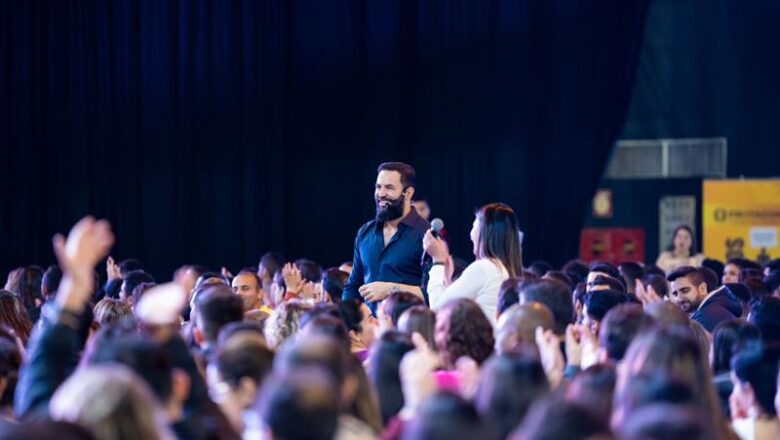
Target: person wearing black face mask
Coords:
[[388, 248]]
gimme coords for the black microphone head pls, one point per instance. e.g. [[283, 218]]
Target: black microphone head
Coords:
[[437, 225]]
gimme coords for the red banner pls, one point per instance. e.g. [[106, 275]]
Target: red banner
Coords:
[[615, 245]]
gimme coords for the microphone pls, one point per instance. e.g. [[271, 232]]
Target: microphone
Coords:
[[437, 225]]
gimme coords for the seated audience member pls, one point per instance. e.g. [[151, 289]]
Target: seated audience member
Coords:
[[656, 285], [419, 319], [666, 422], [753, 399], [631, 272], [593, 389], [517, 326], [236, 374], [462, 329], [732, 271], [346, 267], [714, 265], [495, 236], [597, 304], [682, 251], [130, 281], [248, 287], [333, 282], [14, 316], [26, 284], [383, 371], [284, 322], [302, 280], [329, 353], [540, 268], [270, 264], [50, 282], [251, 329], [649, 388], [556, 296], [298, 405], [576, 270], [667, 314], [578, 299], [602, 268], [391, 309], [509, 385], [111, 402], [602, 282], [728, 338], [619, 327], [216, 307], [553, 418], [326, 325], [447, 416], [692, 294], [765, 315], [559, 276], [108, 311], [509, 294], [674, 352], [361, 326]]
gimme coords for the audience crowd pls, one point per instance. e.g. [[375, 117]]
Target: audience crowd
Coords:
[[491, 350]]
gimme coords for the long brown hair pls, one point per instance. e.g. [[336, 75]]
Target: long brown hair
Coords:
[[499, 237], [14, 315]]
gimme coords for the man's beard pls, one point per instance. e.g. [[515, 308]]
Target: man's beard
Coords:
[[393, 210]]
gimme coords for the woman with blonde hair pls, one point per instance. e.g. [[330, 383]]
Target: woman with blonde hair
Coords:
[[112, 403], [284, 322]]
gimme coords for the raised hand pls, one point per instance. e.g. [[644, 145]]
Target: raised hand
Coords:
[[88, 242], [435, 247], [292, 278], [646, 296], [551, 356]]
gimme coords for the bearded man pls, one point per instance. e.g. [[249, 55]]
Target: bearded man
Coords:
[[388, 249]]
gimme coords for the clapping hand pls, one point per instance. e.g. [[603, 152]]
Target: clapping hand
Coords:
[[88, 242], [292, 278], [646, 296], [550, 354]]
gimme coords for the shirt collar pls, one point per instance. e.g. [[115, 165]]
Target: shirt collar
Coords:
[[710, 295], [412, 219]]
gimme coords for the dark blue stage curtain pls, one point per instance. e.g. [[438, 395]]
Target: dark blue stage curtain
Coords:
[[211, 131]]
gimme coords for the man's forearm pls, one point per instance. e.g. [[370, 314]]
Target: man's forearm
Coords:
[[410, 288]]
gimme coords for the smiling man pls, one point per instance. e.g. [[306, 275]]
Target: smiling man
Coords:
[[690, 292], [388, 248]]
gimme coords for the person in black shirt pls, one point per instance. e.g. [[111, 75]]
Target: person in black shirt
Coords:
[[388, 249]]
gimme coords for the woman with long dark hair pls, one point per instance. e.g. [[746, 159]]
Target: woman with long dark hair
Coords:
[[496, 239]]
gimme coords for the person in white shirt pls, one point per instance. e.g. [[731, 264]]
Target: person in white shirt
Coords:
[[496, 239]]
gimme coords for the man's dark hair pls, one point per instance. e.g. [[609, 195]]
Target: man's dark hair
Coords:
[[397, 303], [320, 309], [146, 357], [448, 416], [694, 275], [217, 306], [757, 365], [631, 271], [133, 279], [242, 327], [112, 288], [604, 267], [576, 270], [772, 281], [333, 283], [408, 175], [272, 262], [602, 301], [310, 270], [50, 282], [620, 326], [540, 268], [654, 270], [659, 283], [613, 283], [129, 265], [744, 263], [711, 278], [139, 291], [239, 358], [556, 296], [765, 314], [560, 276], [253, 274], [300, 404], [715, 266]]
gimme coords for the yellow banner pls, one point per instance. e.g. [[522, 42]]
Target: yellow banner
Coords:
[[741, 219]]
